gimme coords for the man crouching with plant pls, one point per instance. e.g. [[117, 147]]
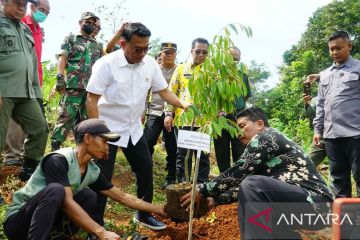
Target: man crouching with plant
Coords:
[[60, 197], [272, 169]]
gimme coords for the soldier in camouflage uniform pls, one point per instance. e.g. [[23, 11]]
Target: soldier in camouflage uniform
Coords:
[[79, 53]]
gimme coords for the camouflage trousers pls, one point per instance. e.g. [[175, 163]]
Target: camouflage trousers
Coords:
[[72, 110]]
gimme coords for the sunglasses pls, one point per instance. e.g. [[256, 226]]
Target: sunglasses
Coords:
[[198, 52], [139, 50]]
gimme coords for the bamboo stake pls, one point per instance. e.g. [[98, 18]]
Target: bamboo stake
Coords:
[[193, 194]]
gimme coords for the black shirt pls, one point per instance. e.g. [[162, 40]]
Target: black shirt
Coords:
[[55, 168]]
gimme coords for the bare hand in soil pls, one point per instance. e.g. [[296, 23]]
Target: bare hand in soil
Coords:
[[186, 200], [107, 235], [162, 211]]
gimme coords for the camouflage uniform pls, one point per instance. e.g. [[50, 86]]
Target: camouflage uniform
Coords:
[[81, 53]]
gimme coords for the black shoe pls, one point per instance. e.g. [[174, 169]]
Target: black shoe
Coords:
[[91, 237], [55, 145], [27, 169], [150, 222]]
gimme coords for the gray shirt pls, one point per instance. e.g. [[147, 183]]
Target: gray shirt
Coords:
[[338, 109], [156, 103]]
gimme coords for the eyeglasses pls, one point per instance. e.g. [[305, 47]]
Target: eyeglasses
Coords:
[[139, 50], [198, 52]]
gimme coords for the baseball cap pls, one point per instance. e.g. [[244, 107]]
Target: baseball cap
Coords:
[[33, 1], [168, 45], [87, 15], [95, 127]]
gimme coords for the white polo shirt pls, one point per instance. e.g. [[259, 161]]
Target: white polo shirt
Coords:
[[123, 88]]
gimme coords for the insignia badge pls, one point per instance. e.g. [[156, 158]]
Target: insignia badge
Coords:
[[10, 43]]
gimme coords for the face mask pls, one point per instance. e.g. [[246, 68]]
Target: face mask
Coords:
[[39, 16], [88, 29]]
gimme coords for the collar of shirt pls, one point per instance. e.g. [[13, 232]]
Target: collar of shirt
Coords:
[[347, 63], [123, 61]]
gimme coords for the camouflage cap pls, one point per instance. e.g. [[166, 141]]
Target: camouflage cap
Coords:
[[87, 15], [168, 45]]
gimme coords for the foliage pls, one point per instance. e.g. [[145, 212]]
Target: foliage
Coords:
[[310, 55], [216, 84], [258, 74], [111, 15], [51, 102], [3, 208], [155, 47]]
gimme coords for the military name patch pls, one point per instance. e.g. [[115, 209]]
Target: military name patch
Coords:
[[4, 25]]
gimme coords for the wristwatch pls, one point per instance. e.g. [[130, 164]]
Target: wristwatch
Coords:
[[60, 76]]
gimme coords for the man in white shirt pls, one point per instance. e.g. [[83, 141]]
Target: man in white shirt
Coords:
[[117, 93]]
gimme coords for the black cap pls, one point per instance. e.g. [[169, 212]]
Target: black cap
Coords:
[[95, 127], [87, 15], [33, 1], [168, 45]]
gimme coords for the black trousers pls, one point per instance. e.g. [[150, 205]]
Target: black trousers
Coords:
[[222, 150], [258, 193], [138, 156], [344, 159], [204, 166], [153, 127], [41, 218]]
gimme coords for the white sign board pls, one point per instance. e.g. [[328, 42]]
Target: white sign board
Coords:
[[194, 140]]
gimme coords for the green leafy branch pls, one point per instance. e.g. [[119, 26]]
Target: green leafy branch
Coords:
[[217, 84]]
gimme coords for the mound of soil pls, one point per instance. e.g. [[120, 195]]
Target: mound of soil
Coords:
[[219, 223]]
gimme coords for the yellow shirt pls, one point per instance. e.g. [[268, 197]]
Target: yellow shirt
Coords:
[[179, 84]]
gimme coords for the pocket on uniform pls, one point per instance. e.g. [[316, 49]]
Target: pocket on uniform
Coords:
[[351, 80], [76, 53], [9, 43]]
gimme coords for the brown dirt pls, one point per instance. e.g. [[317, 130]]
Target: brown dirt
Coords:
[[7, 190], [124, 179], [224, 226]]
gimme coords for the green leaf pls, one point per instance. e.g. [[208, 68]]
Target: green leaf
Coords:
[[233, 28]]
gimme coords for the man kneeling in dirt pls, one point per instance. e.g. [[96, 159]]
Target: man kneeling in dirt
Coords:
[[60, 197], [272, 169]]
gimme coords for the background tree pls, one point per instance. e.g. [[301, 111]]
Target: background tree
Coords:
[[112, 15], [283, 103]]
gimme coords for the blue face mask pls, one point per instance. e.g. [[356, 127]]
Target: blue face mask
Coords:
[[39, 16]]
